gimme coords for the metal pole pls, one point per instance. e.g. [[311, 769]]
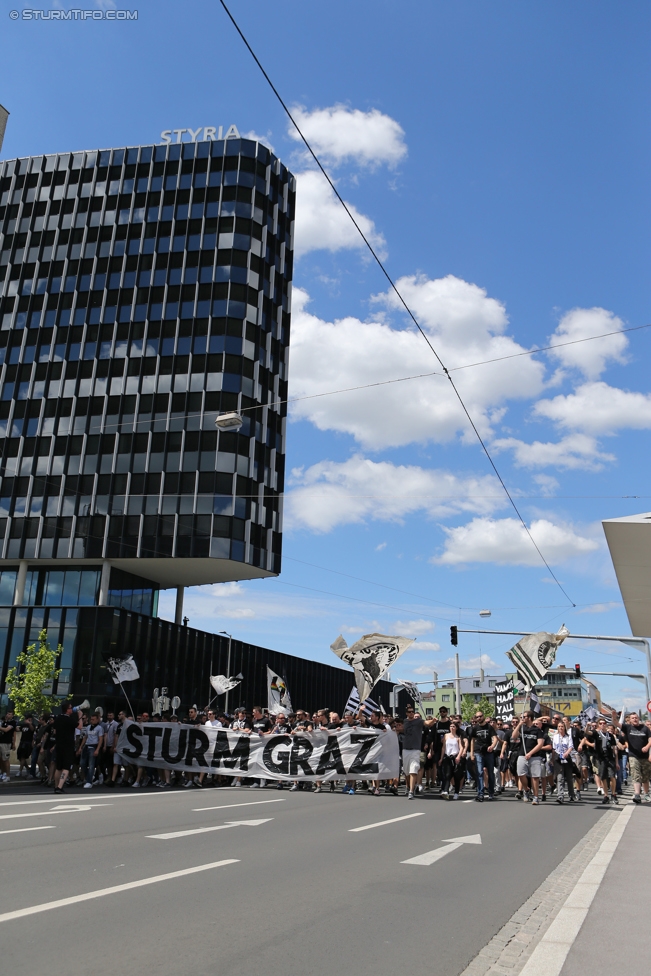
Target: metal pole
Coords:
[[457, 685], [228, 670]]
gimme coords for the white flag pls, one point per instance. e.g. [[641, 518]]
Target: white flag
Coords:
[[222, 684], [534, 655], [123, 669], [370, 658], [277, 694]]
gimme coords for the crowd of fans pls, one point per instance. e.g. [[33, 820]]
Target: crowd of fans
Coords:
[[533, 756]]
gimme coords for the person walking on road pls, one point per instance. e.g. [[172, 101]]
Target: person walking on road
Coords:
[[453, 759], [483, 743], [530, 758], [412, 737], [563, 768], [605, 747], [638, 740]]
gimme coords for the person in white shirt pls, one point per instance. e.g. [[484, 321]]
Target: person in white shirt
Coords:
[[563, 767], [213, 721]]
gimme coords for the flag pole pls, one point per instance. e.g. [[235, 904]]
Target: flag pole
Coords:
[[115, 675]]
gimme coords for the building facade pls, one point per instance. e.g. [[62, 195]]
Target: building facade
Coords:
[[143, 292]]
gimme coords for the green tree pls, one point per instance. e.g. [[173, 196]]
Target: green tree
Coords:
[[469, 706], [26, 682]]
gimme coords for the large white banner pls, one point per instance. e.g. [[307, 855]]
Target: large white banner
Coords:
[[342, 754]]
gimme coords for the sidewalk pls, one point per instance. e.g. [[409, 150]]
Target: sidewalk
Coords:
[[616, 933]]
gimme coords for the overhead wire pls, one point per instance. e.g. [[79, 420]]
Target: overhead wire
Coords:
[[369, 386], [399, 296]]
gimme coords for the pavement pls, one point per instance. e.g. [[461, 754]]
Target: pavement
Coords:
[[619, 908], [243, 880]]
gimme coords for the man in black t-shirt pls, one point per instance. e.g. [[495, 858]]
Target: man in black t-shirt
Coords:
[[530, 756], [638, 740], [605, 747], [8, 727], [262, 726], [483, 742], [64, 730]]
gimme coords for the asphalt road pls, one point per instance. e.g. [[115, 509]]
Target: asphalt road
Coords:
[[302, 891]]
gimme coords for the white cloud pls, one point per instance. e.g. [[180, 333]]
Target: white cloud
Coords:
[[591, 358], [598, 408], [323, 224], [426, 646], [340, 134], [209, 606], [548, 485], [257, 138], [505, 542], [411, 628], [576, 451], [332, 493], [426, 668], [465, 326], [382, 546], [473, 663], [601, 607]]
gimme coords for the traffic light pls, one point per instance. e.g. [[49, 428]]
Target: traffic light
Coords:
[[454, 639], [577, 670]]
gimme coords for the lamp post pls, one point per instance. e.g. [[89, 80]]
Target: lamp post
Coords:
[[228, 664]]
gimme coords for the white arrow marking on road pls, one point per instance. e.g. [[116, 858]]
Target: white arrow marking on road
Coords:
[[206, 830], [23, 830], [381, 823], [431, 856], [468, 839], [77, 808]]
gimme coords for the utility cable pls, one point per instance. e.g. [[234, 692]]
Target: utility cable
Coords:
[[400, 299]]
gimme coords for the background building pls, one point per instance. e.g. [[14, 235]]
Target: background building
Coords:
[[567, 693], [143, 291]]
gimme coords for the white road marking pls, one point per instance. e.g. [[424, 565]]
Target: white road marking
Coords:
[[78, 808], [431, 856], [227, 806], [23, 830], [467, 801], [101, 892], [381, 823], [468, 839], [103, 796], [207, 830], [551, 952]]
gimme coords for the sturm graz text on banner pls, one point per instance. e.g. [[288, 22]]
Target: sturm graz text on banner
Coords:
[[311, 756]]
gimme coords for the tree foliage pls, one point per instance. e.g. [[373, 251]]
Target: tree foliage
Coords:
[[469, 706], [34, 671]]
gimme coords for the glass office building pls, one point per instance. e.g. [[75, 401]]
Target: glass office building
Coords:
[[143, 292]]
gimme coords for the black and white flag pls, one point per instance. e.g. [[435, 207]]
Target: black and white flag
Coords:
[[222, 684], [412, 690], [504, 700], [122, 669], [353, 704], [534, 703], [277, 694], [370, 658], [534, 655]]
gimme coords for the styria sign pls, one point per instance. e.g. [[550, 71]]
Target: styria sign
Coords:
[[205, 133]]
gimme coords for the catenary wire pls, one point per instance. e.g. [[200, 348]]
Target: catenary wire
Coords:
[[401, 300], [398, 379]]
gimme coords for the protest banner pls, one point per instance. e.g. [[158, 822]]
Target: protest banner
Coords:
[[504, 700], [346, 753]]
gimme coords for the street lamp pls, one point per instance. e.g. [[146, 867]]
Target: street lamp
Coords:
[[228, 421], [228, 664]]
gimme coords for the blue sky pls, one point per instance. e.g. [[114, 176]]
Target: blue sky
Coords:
[[498, 157]]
